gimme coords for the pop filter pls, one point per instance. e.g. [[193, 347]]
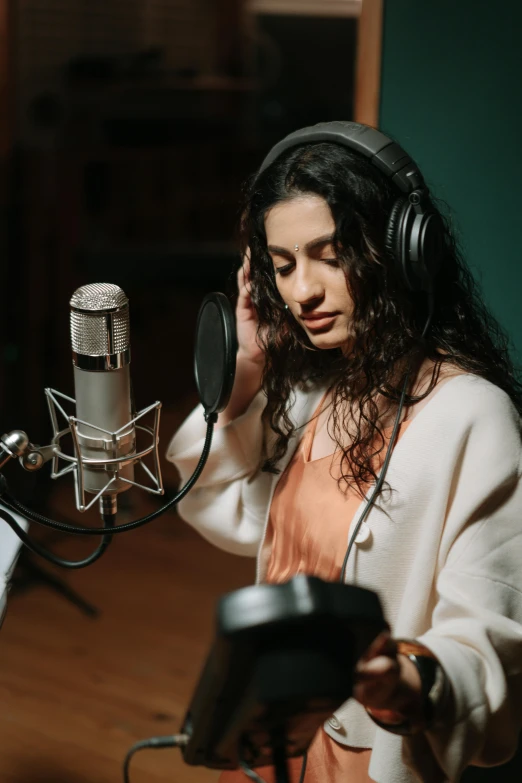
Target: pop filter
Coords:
[[215, 353]]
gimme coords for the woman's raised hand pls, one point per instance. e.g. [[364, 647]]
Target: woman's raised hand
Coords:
[[250, 355], [247, 324]]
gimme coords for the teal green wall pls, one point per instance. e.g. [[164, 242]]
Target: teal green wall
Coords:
[[451, 94]]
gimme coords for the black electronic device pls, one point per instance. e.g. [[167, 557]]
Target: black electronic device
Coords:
[[415, 233], [282, 662]]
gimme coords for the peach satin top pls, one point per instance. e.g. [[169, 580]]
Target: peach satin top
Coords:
[[308, 531]]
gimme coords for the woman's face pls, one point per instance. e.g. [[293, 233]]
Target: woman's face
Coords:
[[300, 242]]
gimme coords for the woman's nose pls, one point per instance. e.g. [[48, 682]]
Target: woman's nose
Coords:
[[307, 285]]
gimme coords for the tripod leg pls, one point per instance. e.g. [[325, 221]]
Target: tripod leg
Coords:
[[35, 574]]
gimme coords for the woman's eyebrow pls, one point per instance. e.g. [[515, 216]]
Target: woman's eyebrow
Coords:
[[314, 244], [280, 251], [320, 242]]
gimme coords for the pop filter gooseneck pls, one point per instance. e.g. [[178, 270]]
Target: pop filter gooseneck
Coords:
[[215, 353]]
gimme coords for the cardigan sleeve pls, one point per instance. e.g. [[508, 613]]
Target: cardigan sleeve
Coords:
[[228, 504], [476, 626]]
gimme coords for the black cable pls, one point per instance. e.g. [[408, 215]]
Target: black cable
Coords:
[[171, 741], [381, 478], [15, 505], [37, 549], [389, 450], [303, 767], [250, 773], [258, 779]]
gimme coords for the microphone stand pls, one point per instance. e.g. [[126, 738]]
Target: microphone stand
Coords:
[[279, 758], [33, 458], [33, 574]]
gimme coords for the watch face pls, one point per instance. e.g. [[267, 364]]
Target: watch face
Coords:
[[433, 683], [438, 691]]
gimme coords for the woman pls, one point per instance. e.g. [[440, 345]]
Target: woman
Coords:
[[345, 360]]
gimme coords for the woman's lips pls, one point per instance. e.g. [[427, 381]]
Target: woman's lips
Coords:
[[316, 321]]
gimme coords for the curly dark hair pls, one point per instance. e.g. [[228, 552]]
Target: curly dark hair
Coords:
[[388, 320]]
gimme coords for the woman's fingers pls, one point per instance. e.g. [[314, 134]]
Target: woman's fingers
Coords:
[[247, 324], [375, 668], [376, 683], [243, 276], [383, 644], [377, 673], [246, 263]]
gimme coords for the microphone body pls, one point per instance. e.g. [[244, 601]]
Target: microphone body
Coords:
[[100, 339]]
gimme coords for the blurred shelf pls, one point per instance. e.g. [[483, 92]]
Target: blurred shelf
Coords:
[[336, 8]]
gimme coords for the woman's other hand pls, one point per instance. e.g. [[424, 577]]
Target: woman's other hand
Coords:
[[388, 683]]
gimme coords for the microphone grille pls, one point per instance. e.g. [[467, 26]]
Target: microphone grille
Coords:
[[98, 297], [99, 320]]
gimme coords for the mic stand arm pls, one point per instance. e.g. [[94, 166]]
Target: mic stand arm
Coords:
[[32, 457], [16, 444]]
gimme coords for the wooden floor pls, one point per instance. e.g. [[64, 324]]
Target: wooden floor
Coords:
[[77, 692]]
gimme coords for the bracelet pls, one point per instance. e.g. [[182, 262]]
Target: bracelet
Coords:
[[434, 690], [403, 726]]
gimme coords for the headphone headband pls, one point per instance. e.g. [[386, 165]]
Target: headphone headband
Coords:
[[415, 232], [382, 151]]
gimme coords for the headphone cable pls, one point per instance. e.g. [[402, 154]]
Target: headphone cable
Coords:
[[258, 779], [171, 741], [393, 438]]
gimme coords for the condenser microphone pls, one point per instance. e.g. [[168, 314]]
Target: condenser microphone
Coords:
[[100, 341], [104, 426]]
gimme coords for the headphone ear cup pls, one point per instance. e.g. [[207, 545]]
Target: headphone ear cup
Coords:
[[427, 248], [414, 240], [392, 239]]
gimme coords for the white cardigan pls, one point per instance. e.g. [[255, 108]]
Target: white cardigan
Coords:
[[444, 555]]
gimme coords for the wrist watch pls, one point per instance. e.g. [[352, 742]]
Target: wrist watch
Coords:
[[434, 683]]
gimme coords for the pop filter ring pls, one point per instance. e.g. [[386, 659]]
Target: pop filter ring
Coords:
[[216, 339]]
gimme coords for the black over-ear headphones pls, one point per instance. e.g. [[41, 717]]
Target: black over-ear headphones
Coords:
[[415, 233]]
